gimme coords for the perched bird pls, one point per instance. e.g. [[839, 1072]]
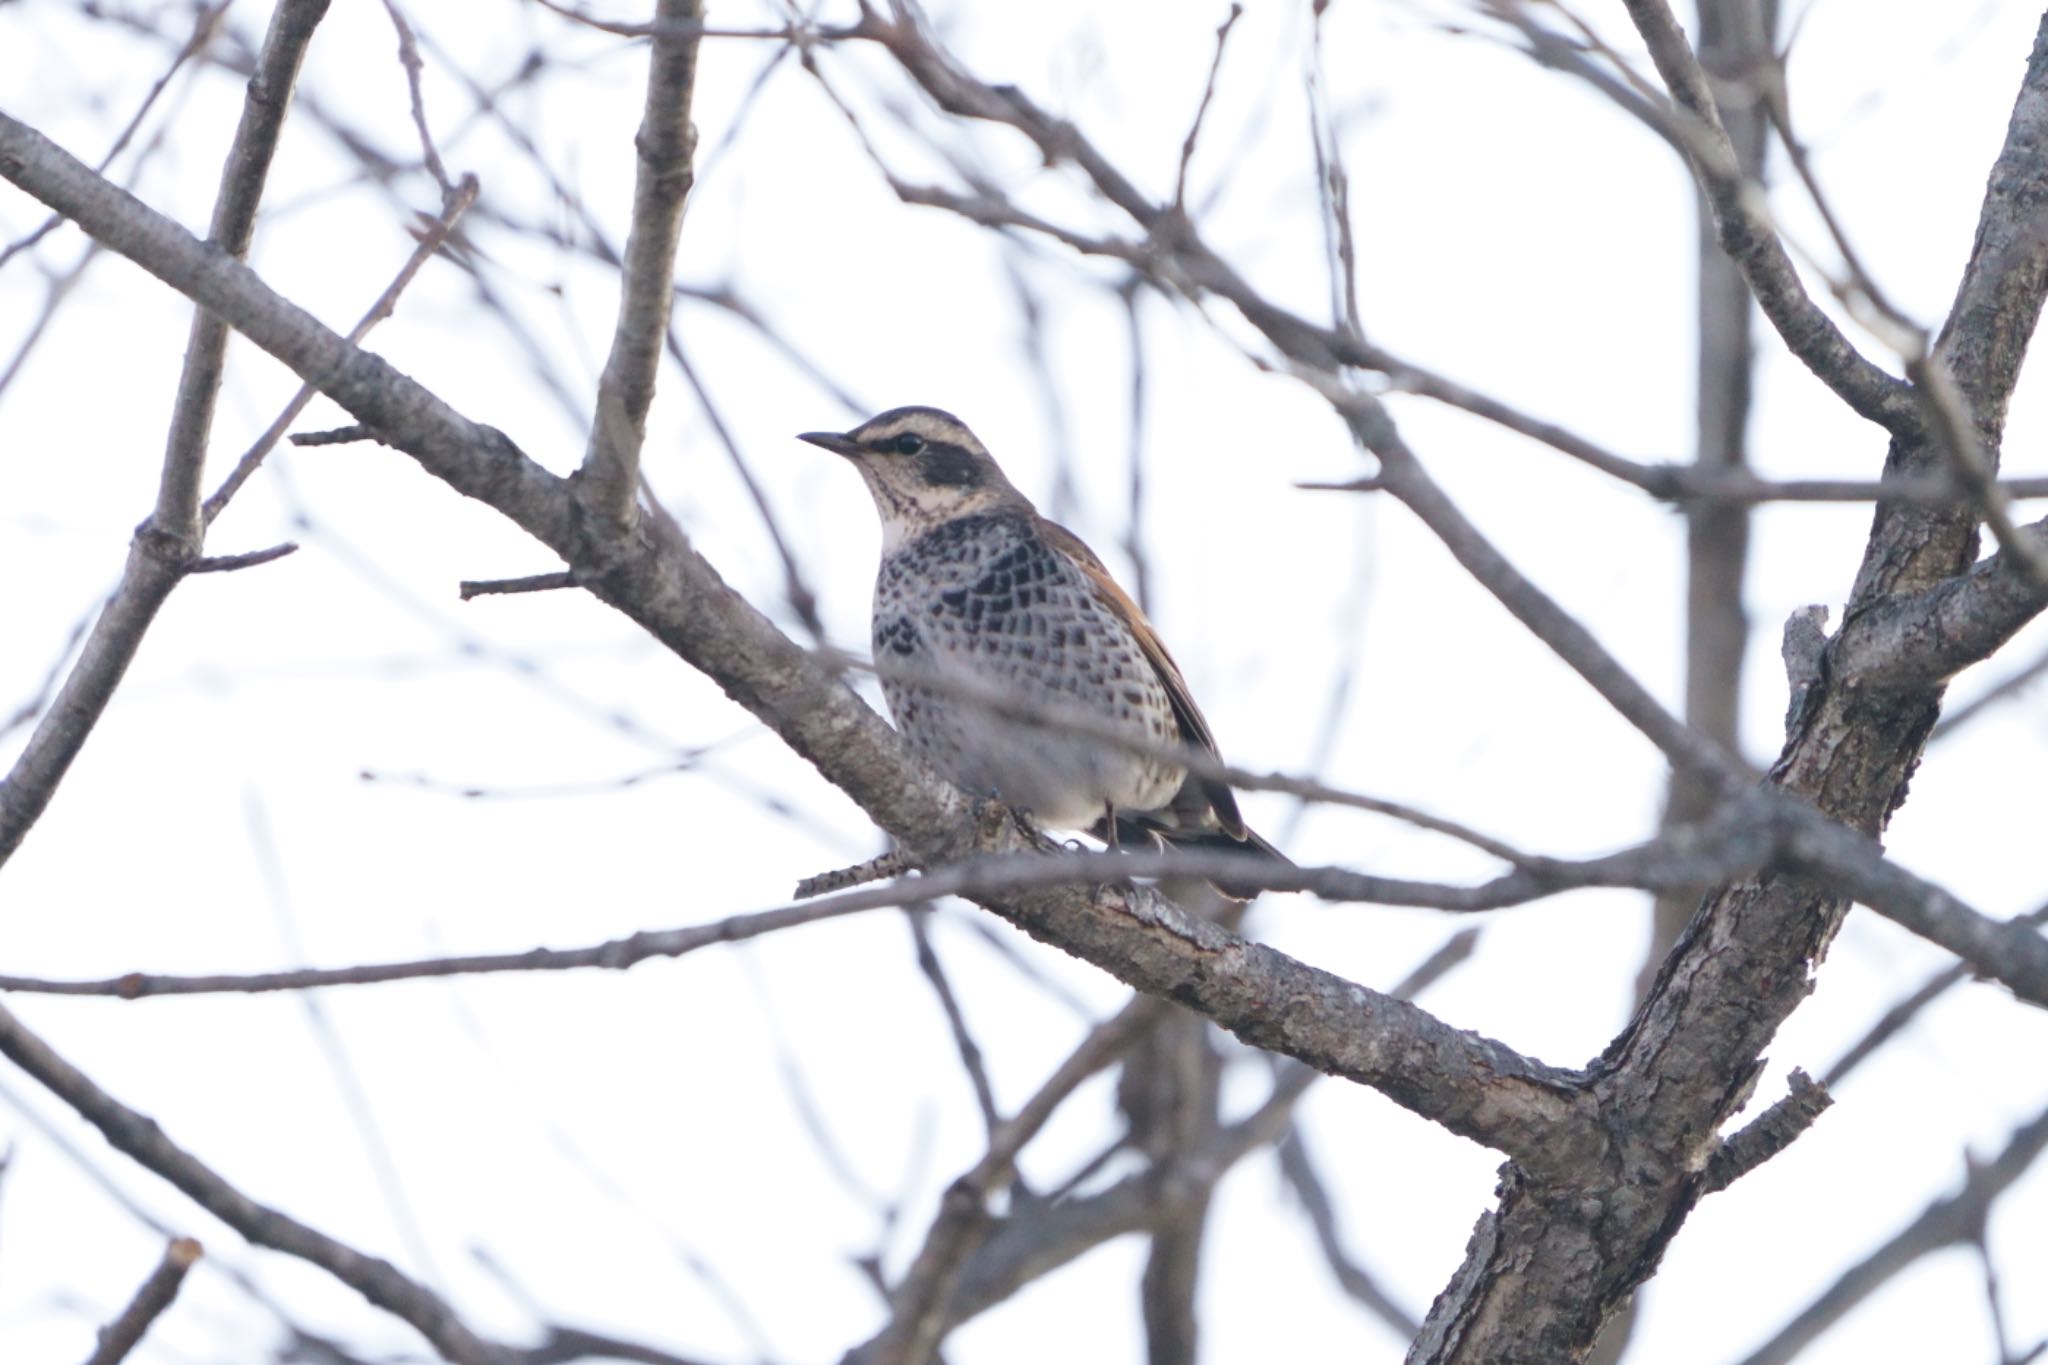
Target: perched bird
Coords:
[[988, 602]]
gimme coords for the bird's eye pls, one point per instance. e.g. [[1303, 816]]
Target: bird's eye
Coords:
[[909, 443]]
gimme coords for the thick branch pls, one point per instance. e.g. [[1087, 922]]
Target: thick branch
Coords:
[[1474, 1086], [1921, 640], [1564, 1249]]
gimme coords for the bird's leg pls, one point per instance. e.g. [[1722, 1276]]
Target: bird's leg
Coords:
[[1112, 842]]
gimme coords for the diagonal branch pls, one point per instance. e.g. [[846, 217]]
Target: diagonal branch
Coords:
[[168, 544], [1751, 241], [125, 1332], [1547, 1269], [139, 1136], [918, 1319], [1923, 639], [1474, 1086], [1954, 1220]]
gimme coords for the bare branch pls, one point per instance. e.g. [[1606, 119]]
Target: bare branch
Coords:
[[1919, 640], [539, 582], [2012, 952], [234, 225], [1946, 1222], [1405, 479], [247, 560], [121, 1336], [1982, 343], [1299, 1170], [409, 59], [666, 143], [1750, 240], [432, 235], [919, 915], [1187, 147], [204, 24], [1690, 485], [1770, 1133], [141, 1138], [1895, 1019], [170, 540], [917, 1317], [612, 955]]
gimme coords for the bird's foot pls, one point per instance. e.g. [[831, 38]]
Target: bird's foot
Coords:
[[992, 817]]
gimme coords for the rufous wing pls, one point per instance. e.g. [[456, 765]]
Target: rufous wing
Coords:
[[1194, 729]]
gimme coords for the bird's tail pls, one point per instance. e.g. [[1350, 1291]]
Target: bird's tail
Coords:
[[1138, 831], [1253, 847]]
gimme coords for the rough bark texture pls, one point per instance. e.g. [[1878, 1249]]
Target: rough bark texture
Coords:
[[1605, 1164], [1547, 1268]]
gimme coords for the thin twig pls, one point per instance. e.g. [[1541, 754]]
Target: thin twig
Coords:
[[612, 955], [409, 59], [40, 698], [431, 236], [1944, 1223], [919, 915], [1688, 485], [1894, 1020], [338, 436], [248, 560], [1187, 146], [917, 1318], [1298, 1168], [539, 582], [203, 25], [2012, 685], [122, 1335], [801, 34], [1750, 239], [1005, 703], [1333, 188], [802, 599]]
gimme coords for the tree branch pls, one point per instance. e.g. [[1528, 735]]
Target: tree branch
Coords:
[[666, 144], [1751, 241], [1473, 1086], [1920, 640], [167, 544], [1944, 1223], [140, 1137], [122, 1335]]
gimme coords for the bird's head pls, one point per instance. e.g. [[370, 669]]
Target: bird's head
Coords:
[[924, 468]]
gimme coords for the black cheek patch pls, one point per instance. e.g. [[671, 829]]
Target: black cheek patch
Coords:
[[949, 467]]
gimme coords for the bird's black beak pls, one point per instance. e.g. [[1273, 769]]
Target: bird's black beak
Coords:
[[836, 442]]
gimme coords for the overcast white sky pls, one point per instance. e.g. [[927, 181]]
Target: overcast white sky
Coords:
[[280, 779]]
